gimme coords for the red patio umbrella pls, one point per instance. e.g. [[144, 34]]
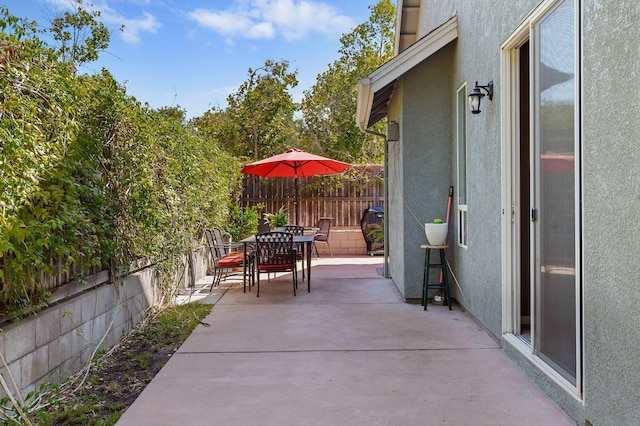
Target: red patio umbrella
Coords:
[[295, 163]]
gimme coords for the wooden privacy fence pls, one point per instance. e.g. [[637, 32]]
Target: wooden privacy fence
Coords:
[[343, 197]]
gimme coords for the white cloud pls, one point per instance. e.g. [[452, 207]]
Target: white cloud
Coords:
[[133, 27], [60, 4], [225, 23], [261, 30], [258, 19]]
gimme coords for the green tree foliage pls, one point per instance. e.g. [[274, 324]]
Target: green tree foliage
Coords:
[[80, 36], [259, 119], [41, 213], [243, 222], [217, 124], [89, 177], [329, 107]]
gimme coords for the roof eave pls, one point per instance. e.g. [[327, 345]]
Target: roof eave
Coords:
[[375, 92]]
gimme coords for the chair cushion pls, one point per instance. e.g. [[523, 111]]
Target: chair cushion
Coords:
[[276, 268], [231, 260]]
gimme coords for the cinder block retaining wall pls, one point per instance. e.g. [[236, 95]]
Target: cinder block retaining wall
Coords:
[[55, 343], [344, 241]]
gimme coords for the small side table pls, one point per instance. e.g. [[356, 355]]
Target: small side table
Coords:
[[442, 265]]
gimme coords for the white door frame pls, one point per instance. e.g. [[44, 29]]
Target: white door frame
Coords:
[[510, 184]]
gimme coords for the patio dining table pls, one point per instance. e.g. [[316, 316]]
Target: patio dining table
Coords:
[[307, 240]]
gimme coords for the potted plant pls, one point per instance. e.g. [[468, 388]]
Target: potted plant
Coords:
[[278, 219], [436, 232], [243, 222]]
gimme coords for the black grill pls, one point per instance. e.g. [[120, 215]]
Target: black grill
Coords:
[[372, 225]]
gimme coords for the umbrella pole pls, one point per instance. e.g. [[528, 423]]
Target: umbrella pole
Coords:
[[295, 203]]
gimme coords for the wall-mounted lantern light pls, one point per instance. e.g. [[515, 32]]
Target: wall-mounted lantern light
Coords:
[[476, 94]]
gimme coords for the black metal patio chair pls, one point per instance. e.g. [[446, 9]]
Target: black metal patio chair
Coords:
[[275, 252], [297, 230], [223, 255]]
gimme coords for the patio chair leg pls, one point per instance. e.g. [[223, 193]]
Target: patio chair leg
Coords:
[[216, 279], [328, 245]]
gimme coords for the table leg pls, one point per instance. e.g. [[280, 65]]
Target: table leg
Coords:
[[244, 269], [309, 248]]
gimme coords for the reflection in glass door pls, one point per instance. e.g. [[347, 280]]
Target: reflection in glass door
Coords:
[[555, 191]]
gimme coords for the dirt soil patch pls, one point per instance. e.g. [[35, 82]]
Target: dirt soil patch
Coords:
[[122, 373]]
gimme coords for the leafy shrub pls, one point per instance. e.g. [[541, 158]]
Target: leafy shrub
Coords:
[[243, 222], [90, 177]]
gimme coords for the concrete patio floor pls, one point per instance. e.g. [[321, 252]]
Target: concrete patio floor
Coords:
[[351, 352]]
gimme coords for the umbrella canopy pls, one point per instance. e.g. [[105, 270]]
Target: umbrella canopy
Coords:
[[295, 163]]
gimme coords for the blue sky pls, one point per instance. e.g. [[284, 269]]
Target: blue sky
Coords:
[[193, 53]]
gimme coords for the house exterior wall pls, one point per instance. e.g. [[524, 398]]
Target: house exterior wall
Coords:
[[418, 170], [611, 178], [422, 166], [394, 214], [426, 165], [475, 55]]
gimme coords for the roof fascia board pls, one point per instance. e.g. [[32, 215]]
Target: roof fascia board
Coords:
[[365, 101], [396, 40]]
